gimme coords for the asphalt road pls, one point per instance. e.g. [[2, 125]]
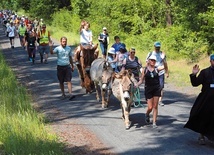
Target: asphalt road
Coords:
[[169, 138]]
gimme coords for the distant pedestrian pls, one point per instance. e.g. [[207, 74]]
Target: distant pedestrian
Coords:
[[31, 45], [104, 41], [44, 40], [11, 33], [65, 66], [160, 61], [201, 118]]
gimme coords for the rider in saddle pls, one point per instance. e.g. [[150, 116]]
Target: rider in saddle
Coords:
[[85, 39]]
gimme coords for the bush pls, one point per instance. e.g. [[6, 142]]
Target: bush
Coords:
[[66, 21]]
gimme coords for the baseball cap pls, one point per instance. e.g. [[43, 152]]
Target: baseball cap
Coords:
[[104, 28], [152, 57], [212, 57], [157, 44]]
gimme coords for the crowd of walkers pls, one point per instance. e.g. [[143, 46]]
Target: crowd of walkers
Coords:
[[33, 36]]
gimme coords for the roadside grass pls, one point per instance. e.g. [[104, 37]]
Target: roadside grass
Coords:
[[22, 129], [179, 71]]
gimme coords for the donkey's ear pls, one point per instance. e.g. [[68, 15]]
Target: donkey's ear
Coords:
[[118, 75], [130, 72]]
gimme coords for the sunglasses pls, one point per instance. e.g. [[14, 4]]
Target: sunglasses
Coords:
[[132, 52]]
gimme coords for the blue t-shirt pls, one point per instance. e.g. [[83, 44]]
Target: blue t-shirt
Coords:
[[117, 46], [63, 55]]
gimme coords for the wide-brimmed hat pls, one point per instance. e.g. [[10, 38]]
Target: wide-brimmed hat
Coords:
[[152, 57], [111, 50]]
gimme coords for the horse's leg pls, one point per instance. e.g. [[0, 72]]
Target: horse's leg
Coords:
[[109, 92], [87, 82], [79, 68], [97, 93]]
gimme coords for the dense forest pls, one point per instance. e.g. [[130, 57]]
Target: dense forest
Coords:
[[184, 27]]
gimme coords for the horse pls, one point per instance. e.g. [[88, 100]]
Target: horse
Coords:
[[123, 89], [86, 57], [101, 74]]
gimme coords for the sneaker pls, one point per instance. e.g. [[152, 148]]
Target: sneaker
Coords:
[[147, 119], [62, 97], [154, 125], [46, 62], [77, 63], [71, 97], [161, 103]]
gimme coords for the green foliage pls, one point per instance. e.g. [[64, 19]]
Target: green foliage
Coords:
[[65, 20]]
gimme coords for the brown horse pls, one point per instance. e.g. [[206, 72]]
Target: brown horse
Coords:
[[86, 57]]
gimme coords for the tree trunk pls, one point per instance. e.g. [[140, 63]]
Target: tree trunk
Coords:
[[168, 13]]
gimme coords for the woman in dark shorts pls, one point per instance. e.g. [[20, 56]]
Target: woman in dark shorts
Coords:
[[152, 88]]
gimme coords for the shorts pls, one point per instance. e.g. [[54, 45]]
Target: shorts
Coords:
[[44, 49], [64, 74], [152, 91], [161, 79], [21, 38], [11, 38]]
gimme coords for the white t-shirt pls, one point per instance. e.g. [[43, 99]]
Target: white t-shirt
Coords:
[[11, 30], [85, 36]]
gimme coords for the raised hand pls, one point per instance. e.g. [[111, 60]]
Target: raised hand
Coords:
[[195, 69]]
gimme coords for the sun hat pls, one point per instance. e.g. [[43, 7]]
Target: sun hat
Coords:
[[157, 44], [212, 57], [152, 57], [104, 28], [111, 50]]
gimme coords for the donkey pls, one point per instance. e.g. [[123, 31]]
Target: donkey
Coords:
[[101, 74], [123, 90]]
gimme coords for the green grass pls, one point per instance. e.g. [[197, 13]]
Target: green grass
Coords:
[[23, 131]]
